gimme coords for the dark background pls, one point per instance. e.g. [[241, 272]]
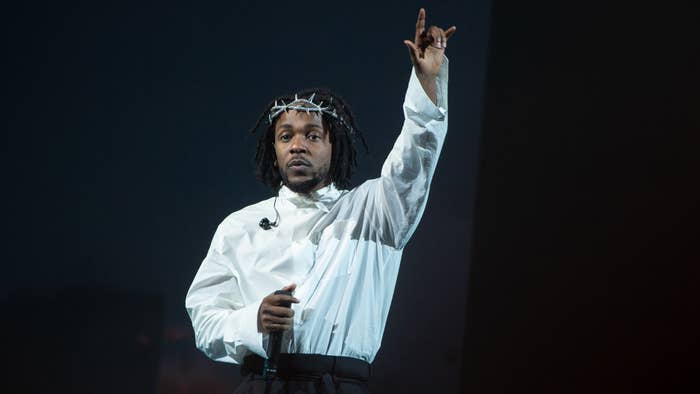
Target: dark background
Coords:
[[583, 272], [128, 144], [555, 254]]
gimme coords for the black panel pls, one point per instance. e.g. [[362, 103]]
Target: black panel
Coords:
[[82, 340], [584, 236]]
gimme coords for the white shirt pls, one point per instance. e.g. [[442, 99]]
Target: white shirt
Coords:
[[341, 248]]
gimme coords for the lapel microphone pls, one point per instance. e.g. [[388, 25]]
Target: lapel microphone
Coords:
[[265, 223]]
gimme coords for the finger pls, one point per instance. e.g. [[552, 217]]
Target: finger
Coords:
[[438, 34], [420, 25], [278, 299], [436, 37], [290, 287], [450, 31], [277, 327], [278, 311], [413, 51], [424, 41], [269, 319]]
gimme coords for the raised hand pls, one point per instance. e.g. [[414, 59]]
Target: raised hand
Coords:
[[428, 46], [426, 52]]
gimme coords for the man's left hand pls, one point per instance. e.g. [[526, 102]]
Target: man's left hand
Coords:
[[426, 52]]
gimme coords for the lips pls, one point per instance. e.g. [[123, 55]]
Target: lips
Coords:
[[298, 163]]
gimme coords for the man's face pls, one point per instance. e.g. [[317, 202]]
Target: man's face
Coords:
[[303, 150]]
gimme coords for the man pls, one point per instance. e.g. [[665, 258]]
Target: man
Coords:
[[338, 250]]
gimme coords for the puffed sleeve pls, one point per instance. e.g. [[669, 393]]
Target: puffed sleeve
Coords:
[[225, 326], [400, 194]]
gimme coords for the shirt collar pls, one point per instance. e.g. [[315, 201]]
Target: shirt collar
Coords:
[[323, 198]]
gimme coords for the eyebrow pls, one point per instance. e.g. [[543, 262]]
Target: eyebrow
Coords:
[[307, 126]]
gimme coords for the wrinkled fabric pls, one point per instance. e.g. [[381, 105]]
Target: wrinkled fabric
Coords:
[[342, 248]]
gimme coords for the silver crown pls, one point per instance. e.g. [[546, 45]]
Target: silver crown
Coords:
[[306, 105]]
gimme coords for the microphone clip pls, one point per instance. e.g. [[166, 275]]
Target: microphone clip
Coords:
[[265, 224]]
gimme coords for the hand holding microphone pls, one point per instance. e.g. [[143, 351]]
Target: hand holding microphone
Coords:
[[275, 313], [275, 316]]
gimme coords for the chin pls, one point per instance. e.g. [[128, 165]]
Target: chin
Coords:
[[303, 186], [303, 182]]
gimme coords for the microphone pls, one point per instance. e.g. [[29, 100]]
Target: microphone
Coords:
[[265, 223], [274, 344]]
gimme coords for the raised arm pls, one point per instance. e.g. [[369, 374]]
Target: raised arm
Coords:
[[402, 190]]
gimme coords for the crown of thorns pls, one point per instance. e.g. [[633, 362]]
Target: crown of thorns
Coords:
[[306, 105]]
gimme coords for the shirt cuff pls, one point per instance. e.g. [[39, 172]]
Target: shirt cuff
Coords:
[[241, 332], [418, 102]]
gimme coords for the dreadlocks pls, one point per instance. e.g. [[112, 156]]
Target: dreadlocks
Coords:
[[341, 128]]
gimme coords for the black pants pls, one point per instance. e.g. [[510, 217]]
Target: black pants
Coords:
[[307, 373]]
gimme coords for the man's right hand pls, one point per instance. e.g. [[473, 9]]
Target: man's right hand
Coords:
[[272, 316]]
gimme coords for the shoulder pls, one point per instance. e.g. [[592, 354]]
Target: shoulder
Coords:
[[249, 215], [239, 227], [358, 195], [365, 187]]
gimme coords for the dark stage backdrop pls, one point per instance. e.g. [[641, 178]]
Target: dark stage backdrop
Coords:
[[584, 271], [126, 144]]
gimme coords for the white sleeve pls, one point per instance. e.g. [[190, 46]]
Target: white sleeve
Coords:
[[401, 193], [225, 328]]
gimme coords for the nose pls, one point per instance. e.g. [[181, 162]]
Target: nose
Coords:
[[297, 145]]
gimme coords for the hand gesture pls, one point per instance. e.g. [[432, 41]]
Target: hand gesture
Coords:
[[428, 46], [272, 315]]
